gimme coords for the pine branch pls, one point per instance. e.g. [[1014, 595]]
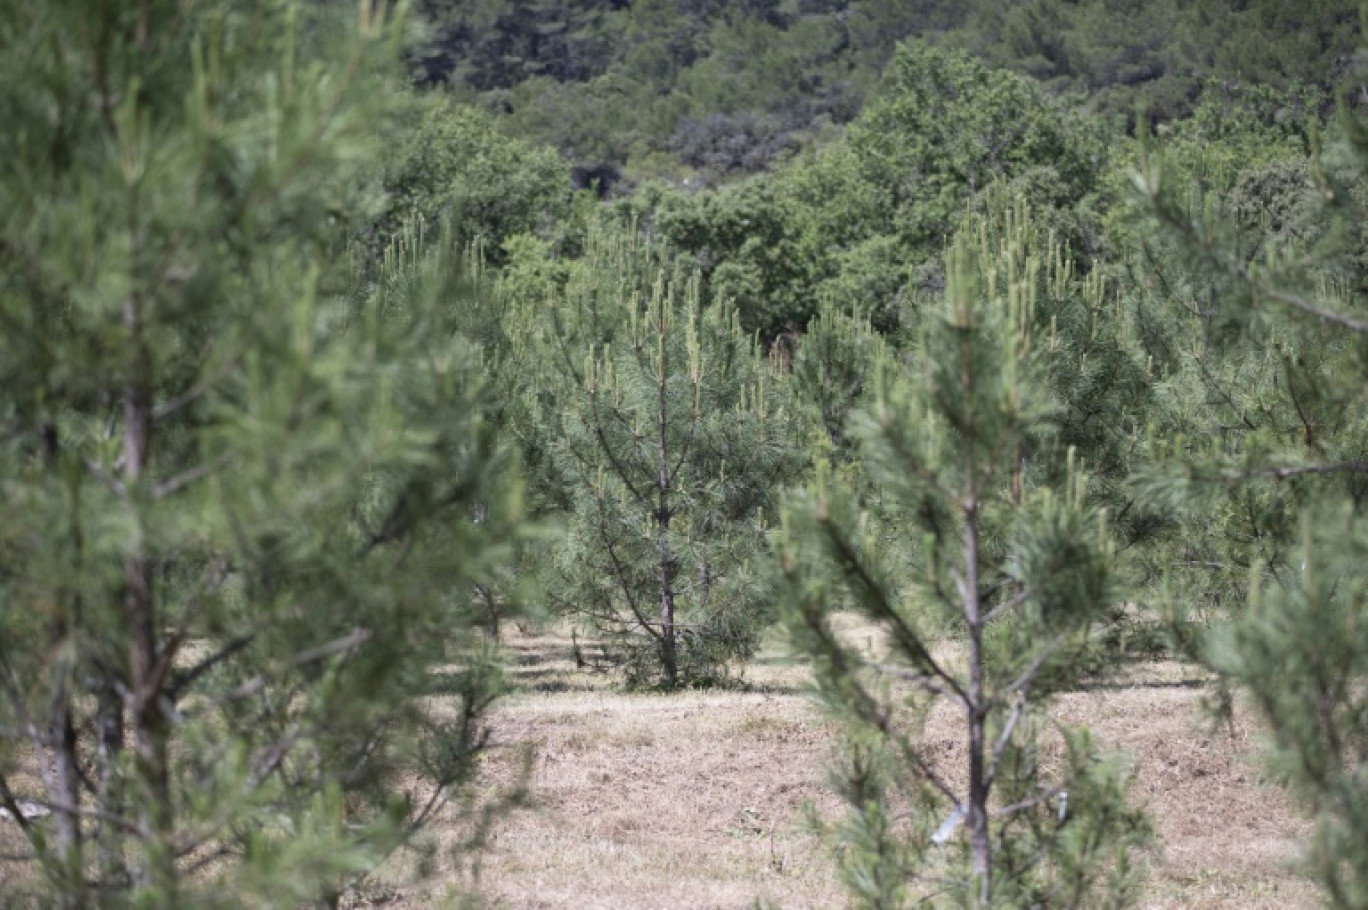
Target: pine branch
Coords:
[[1009, 606], [1306, 306], [1027, 677], [342, 645], [915, 465], [196, 391], [186, 678], [1283, 473], [11, 805], [118, 821], [1027, 804], [683, 452], [185, 478], [50, 291], [1005, 736], [924, 768], [402, 518], [113, 483], [925, 681], [1257, 287], [628, 589], [906, 635], [618, 469]]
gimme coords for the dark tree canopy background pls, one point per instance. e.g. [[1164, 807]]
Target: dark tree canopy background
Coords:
[[707, 89]]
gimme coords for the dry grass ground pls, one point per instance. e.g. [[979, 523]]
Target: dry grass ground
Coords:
[[695, 800]]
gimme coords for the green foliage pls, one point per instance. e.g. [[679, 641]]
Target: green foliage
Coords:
[[945, 126], [703, 87], [671, 433], [275, 334], [707, 89], [859, 227], [1238, 128], [492, 44], [1307, 622], [1282, 45], [453, 168], [1240, 385], [970, 532], [1261, 327], [1163, 55], [251, 494], [833, 372], [750, 243]]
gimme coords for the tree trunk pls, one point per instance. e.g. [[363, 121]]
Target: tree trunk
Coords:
[[110, 729], [668, 645], [486, 598], [65, 790], [150, 727], [979, 843], [704, 583]]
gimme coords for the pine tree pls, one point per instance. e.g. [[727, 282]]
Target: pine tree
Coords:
[[672, 434], [1266, 354], [988, 567], [248, 498], [832, 371]]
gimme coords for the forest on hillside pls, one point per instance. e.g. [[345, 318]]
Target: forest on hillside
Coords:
[[704, 90], [336, 341]]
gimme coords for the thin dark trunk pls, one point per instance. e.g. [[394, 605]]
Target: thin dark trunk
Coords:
[[668, 645], [150, 727], [65, 787], [704, 584], [1018, 468], [110, 729], [979, 842], [486, 598]]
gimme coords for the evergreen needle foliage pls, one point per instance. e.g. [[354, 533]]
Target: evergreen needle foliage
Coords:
[[988, 567], [673, 432], [248, 496], [280, 339], [1264, 327]]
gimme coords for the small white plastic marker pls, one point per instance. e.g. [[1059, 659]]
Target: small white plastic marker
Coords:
[[947, 827], [27, 809]]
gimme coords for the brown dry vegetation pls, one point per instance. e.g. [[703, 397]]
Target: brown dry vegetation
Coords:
[[696, 800]]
